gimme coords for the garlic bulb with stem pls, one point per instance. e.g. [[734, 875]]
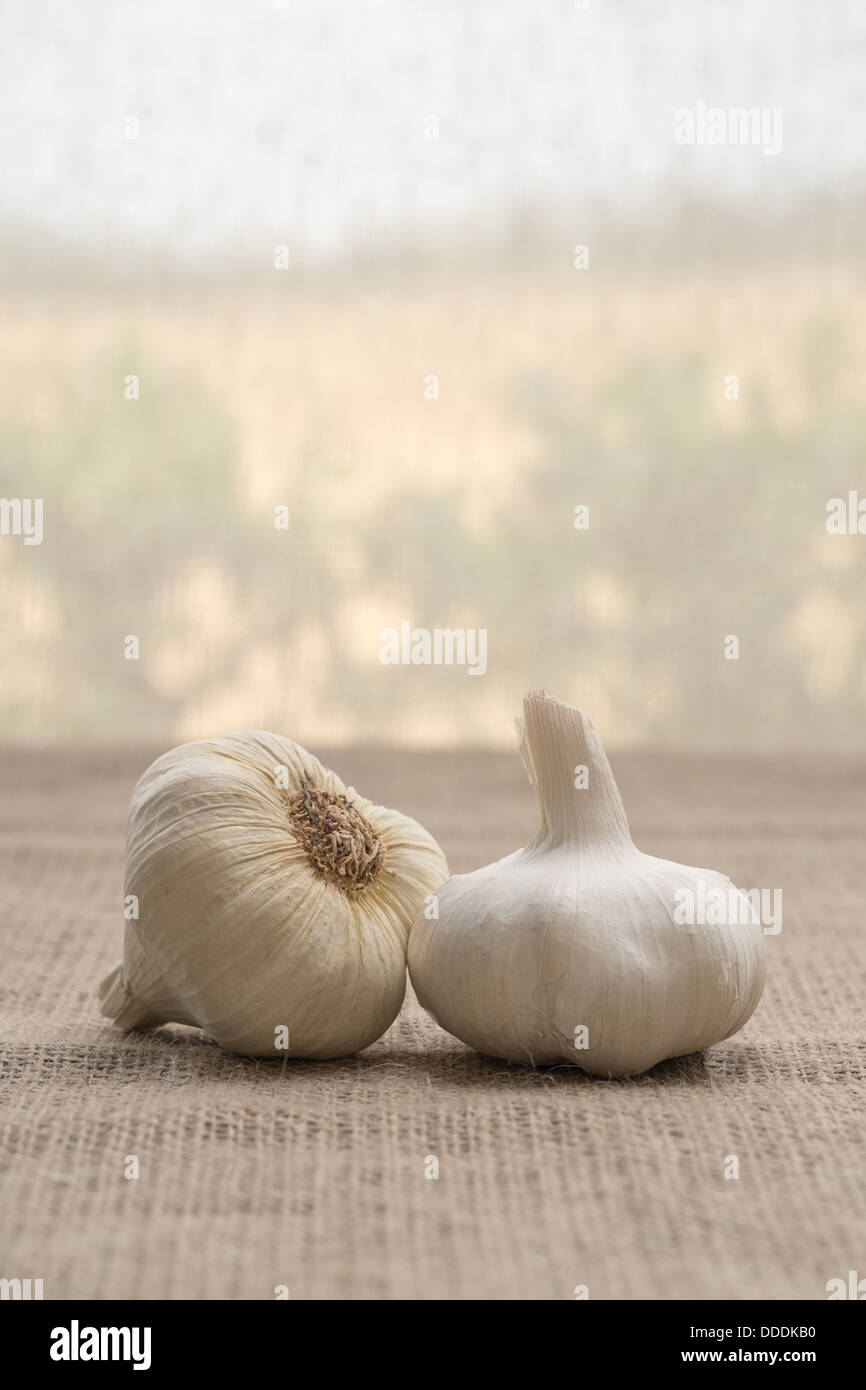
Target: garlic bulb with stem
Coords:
[[267, 903], [571, 949]]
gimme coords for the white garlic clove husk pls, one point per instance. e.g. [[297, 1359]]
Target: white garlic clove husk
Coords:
[[273, 902], [570, 950]]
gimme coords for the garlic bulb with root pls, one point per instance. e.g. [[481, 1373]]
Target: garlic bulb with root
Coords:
[[267, 903], [573, 949]]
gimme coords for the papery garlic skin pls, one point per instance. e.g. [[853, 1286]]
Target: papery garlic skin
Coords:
[[577, 932], [244, 928]]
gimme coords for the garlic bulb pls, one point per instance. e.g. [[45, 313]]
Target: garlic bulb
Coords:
[[573, 949], [267, 903]]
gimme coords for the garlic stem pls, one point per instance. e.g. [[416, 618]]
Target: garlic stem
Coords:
[[556, 740]]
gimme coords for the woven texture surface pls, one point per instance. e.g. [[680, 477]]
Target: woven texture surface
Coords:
[[312, 1175]]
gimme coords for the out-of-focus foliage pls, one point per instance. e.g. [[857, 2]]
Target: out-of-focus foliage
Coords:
[[707, 514]]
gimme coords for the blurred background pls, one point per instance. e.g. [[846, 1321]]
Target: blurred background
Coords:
[[322, 257]]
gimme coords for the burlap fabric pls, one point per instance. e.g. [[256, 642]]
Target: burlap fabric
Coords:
[[313, 1175]]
